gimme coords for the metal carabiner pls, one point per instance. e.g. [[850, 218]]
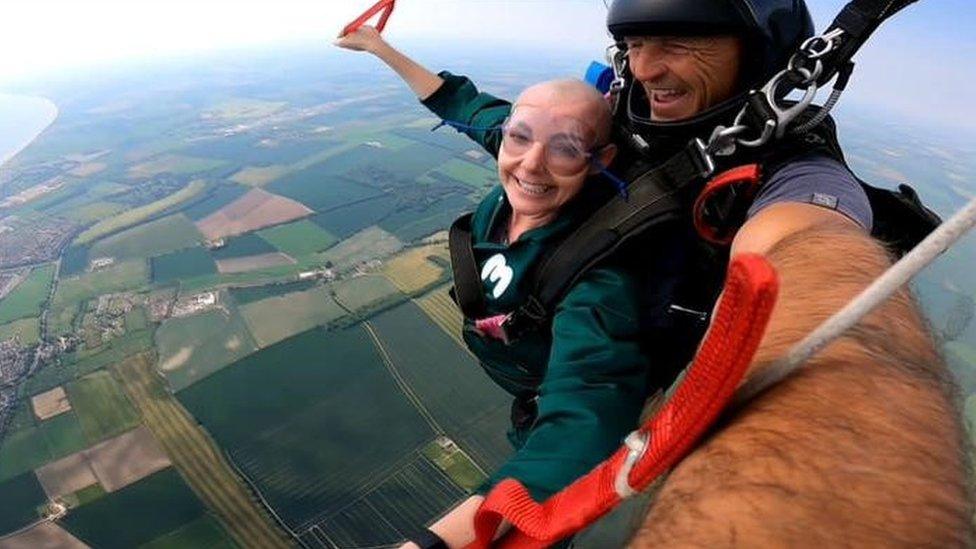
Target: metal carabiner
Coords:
[[636, 442], [829, 41], [786, 115]]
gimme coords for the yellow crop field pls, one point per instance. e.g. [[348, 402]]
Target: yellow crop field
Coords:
[[413, 271], [133, 217], [441, 309], [259, 176], [198, 459]]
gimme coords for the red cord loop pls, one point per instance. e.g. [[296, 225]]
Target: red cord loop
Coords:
[[386, 6], [740, 322]]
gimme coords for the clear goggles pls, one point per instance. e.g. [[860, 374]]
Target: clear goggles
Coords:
[[566, 141]]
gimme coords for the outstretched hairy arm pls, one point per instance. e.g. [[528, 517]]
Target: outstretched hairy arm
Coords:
[[863, 447]]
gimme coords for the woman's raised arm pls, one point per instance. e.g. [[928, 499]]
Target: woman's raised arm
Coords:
[[423, 82]]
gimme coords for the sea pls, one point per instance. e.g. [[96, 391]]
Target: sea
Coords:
[[22, 118]]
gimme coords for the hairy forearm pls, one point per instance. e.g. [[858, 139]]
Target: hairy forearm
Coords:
[[862, 447], [422, 81]]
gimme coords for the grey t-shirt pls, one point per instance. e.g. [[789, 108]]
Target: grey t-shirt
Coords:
[[817, 180]]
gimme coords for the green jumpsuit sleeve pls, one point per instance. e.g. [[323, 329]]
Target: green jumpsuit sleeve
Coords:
[[458, 100], [593, 390]]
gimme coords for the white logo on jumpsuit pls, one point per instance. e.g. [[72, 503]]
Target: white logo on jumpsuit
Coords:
[[497, 272]]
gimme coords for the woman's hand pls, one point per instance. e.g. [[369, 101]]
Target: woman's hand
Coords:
[[365, 38]]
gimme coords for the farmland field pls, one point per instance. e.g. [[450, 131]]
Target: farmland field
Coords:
[[362, 292], [299, 238], [167, 234], [74, 260], [64, 434], [444, 312], [255, 210], [26, 329], [259, 176], [203, 532], [321, 188], [410, 224], [174, 164], [347, 220], [243, 246], [274, 319], [417, 493], [187, 263], [249, 294], [34, 445], [215, 200], [140, 214], [127, 275], [237, 265], [101, 406], [197, 457], [450, 382], [193, 347], [365, 245], [413, 271], [244, 149], [27, 298], [21, 496], [307, 468], [136, 514], [476, 175]]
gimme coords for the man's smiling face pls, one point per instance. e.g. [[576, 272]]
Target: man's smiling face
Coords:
[[684, 76]]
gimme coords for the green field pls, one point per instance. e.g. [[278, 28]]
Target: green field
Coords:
[[74, 260], [138, 215], [136, 514], [416, 494], [193, 347], [174, 232], [299, 418], [319, 188], [94, 211], [183, 264], [120, 277], [27, 329], [243, 246], [64, 434], [274, 319], [449, 381], [249, 294], [347, 220], [363, 293], [19, 499], [456, 464], [38, 443], [203, 532], [299, 238], [100, 405], [475, 175], [28, 297], [219, 197]]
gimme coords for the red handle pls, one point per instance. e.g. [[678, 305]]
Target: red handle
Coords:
[[386, 6]]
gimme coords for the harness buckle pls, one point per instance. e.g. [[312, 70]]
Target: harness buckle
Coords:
[[636, 442], [529, 315]]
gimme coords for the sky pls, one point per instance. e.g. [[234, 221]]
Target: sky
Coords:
[[917, 65]]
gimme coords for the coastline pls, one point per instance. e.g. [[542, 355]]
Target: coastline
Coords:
[[50, 114]]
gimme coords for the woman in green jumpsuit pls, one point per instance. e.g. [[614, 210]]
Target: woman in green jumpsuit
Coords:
[[579, 386]]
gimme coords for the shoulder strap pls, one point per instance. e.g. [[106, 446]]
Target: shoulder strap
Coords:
[[467, 291], [660, 195]]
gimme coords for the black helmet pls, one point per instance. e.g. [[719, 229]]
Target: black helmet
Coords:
[[772, 29]]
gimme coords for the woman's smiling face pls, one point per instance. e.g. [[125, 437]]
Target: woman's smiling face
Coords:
[[544, 159]]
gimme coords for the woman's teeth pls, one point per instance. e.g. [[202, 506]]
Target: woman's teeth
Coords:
[[532, 188]]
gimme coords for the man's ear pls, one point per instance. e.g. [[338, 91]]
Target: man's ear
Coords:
[[603, 158]]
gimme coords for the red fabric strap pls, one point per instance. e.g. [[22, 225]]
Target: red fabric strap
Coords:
[[740, 322], [749, 176], [386, 6]]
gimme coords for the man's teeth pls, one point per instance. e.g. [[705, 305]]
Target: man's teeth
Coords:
[[532, 188], [667, 93]]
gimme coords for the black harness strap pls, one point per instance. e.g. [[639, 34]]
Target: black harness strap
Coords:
[[659, 195], [467, 292], [859, 19]]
